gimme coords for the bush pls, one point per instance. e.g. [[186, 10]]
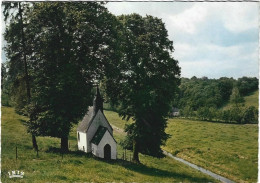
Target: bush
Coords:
[[250, 115]]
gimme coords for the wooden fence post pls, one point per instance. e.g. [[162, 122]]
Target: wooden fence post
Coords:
[[125, 155], [16, 156]]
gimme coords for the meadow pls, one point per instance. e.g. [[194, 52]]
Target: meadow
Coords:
[[252, 99], [75, 166], [229, 150]]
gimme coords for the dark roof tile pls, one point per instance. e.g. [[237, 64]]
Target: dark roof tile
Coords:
[[98, 135], [84, 124]]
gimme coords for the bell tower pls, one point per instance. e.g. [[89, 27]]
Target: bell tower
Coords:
[[97, 102]]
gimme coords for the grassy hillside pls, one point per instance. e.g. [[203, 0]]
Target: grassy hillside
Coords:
[[250, 100], [77, 166], [226, 149]]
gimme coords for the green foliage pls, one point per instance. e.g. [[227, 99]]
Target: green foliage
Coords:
[[205, 113], [225, 86], [147, 83], [247, 85], [5, 86], [203, 99], [250, 115], [187, 111], [235, 97], [69, 48], [202, 92]]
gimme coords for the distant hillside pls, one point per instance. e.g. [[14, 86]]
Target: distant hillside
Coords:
[[250, 100], [209, 99], [196, 93]]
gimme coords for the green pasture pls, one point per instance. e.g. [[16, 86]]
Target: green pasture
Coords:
[[229, 150], [75, 166]]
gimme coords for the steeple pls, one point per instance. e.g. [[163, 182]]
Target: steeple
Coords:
[[97, 102]]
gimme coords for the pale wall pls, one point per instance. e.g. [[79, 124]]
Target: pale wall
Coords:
[[82, 142], [97, 121], [107, 139]]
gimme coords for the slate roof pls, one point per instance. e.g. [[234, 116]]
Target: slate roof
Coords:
[[98, 135], [85, 123]]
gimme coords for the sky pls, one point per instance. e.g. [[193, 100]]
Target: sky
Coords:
[[212, 39]]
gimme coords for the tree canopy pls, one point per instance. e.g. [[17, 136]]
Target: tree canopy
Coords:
[[69, 48], [147, 83]]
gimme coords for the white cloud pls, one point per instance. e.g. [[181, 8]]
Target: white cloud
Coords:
[[216, 61], [211, 39], [189, 19], [236, 17]]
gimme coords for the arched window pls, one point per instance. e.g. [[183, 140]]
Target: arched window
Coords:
[[78, 137]]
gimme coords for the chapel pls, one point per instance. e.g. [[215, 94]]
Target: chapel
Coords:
[[95, 134]]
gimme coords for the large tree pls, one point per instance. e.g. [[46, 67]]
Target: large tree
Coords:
[[73, 46], [146, 84]]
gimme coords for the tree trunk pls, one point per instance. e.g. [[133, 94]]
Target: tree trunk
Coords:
[[64, 144], [34, 142], [135, 152]]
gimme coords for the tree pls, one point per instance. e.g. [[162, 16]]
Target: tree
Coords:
[[5, 86], [16, 50], [73, 46], [236, 98], [246, 85], [187, 112], [146, 84], [225, 86], [250, 115]]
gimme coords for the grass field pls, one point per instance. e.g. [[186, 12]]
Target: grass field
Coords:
[[227, 149], [77, 166], [252, 100]]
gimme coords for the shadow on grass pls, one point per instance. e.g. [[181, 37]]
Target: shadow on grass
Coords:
[[140, 168], [151, 171], [56, 150]]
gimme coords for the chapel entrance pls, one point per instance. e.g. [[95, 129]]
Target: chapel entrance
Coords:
[[107, 151]]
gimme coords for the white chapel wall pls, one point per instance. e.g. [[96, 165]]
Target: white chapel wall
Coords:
[[107, 139], [94, 149], [97, 121], [82, 142]]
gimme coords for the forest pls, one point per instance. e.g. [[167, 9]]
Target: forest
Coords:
[[205, 99]]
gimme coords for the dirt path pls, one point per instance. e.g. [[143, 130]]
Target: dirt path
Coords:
[[119, 130], [215, 176]]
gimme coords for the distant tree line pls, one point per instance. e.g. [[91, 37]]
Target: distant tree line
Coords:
[[203, 99]]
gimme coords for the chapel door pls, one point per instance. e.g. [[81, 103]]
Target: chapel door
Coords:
[[107, 151]]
